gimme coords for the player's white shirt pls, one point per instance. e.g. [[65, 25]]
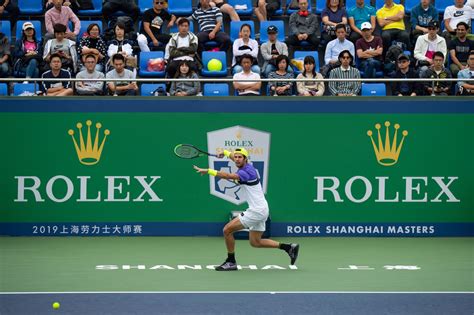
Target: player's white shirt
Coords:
[[252, 188]]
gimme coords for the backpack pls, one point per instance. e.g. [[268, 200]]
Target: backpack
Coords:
[[390, 65]]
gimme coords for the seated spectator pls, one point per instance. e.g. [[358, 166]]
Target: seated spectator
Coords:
[[5, 56], [421, 15], [404, 71], [128, 6], [63, 47], [56, 88], [123, 46], [459, 12], [369, 51], [437, 71], [357, 15], [266, 9], [90, 72], [60, 14], [182, 46], [151, 32], [225, 8], [427, 45], [75, 5], [190, 87], [244, 45], [28, 53], [467, 88], [333, 14], [281, 88], [390, 18], [304, 26], [210, 22], [12, 7], [271, 50], [460, 48], [93, 44], [126, 87], [334, 48], [345, 71], [247, 88], [310, 88]]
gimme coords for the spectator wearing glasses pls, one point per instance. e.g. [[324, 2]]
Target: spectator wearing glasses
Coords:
[[90, 72], [427, 45], [361, 13], [437, 71], [390, 18], [345, 71], [421, 15], [56, 88], [369, 51], [467, 88], [459, 49], [153, 21], [404, 71]]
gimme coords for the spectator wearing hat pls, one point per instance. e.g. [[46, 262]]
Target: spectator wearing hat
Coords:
[[357, 15], [437, 71], [459, 12], [271, 50], [11, 6], [345, 71], [420, 16], [28, 52], [60, 14], [427, 45], [369, 50], [459, 49], [390, 18], [404, 71], [304, 26]]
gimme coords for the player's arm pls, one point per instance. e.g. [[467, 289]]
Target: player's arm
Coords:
[[226, 153], [225, 175]]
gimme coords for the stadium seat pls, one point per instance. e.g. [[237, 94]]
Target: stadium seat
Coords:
[[208, 55], [300, 54], [85, 25], [441, 5], [350, 4], [6, 28], [19, 88], [3, 89], [242, 12], [180, 7], [97, 4], [147, 89], [145, 5], [36, 24], [144, 57], [216, 89], [30, 7], [235, 29], [410, 4], [378, 74], [374, 89], [290, 11], [320, 5], [280, 25]]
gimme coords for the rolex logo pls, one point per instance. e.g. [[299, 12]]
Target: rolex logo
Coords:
[[88, 152], [387, 153]]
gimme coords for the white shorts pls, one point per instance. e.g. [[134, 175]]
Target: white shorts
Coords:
[[254, 220]]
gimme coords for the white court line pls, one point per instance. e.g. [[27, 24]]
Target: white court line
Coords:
[[243, 292]]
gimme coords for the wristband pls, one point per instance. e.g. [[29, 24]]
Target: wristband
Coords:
[[226, 153], [212, 172]]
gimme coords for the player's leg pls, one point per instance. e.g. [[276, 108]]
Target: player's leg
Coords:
[[255, 239], [230, 264]]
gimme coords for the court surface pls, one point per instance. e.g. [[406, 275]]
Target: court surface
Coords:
[[174, 275]]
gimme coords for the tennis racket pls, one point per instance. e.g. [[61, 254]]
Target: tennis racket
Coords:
[[188, 151]]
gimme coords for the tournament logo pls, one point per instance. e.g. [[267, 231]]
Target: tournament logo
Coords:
[[89, 153], [256, 142], [387, 153]]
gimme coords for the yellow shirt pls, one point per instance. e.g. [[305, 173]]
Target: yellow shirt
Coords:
[[385, 12]]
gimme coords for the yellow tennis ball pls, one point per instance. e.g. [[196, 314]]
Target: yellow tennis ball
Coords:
[[56, 305], [214, 65]]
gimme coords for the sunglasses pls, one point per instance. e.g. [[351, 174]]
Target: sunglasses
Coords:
[[160, 2]]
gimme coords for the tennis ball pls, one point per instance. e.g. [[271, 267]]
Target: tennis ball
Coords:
[[214, 65], [55, 305]]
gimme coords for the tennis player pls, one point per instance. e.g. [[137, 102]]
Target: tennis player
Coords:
[[254, 217]]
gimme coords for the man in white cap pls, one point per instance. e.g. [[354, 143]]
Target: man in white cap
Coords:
[[254, 217], [369, 50]]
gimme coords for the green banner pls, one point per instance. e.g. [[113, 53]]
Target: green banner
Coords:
[[315, 167]]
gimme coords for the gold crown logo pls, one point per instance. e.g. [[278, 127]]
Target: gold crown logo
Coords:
[[387, 154], [88, 153]]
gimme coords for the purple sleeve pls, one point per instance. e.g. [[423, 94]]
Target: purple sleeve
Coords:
[[243, 175]]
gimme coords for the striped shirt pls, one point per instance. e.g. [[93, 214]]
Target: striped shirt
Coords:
[[207, 19], [345, 87], [276, 75]]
